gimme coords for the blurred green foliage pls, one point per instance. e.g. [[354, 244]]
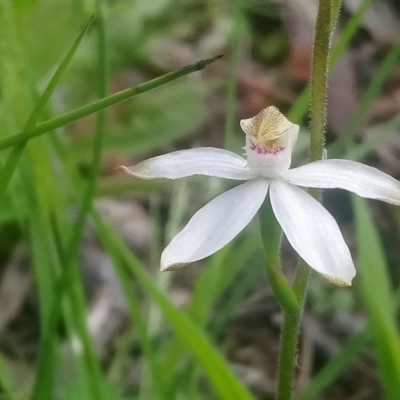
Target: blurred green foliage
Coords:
[[49, 181]]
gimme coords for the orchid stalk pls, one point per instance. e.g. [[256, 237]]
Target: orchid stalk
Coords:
[[309, 227], [265, 170], [276, 190]]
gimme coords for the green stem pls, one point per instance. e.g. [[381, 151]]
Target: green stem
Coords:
[[271, 234], [109, 101], [318, 116], [319, 79], [290, 329], [300, 107], [7, 171], [75, 289], [99, 137]]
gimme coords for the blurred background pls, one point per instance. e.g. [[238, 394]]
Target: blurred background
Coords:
[[267, 47]]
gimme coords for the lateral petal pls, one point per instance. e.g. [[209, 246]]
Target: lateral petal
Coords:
[[199, 161], [355, 177], [312, 232], [215, 225]]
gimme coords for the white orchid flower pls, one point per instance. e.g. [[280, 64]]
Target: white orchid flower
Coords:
[[309, 227]]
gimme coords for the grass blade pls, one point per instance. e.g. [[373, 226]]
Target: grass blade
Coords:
[[378, 298], [7, 171], [71, 269], [109, 101], [335, 367], [300, 107], [225, 383], [389, 62]]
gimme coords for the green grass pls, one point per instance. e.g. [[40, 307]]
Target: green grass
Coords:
[[46, 172]]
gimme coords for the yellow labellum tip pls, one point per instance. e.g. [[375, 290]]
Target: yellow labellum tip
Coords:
[[268, 124]]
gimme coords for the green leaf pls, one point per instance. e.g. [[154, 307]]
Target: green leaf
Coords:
[[300, 107], [378, 297], [155, 120], [225, 383], [336, 366], [12, 161], [389, 62], [216, 277], [271, 234], [108, 102]]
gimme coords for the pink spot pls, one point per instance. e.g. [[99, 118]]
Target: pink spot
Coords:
[[265, 150]]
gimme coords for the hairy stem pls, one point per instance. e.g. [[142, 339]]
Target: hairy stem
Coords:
[[318, 116]]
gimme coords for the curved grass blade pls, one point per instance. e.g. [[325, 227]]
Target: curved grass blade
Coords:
[[7, 171], [378, 298], [300, 107], [71, 269], [225, 383], [387, 65], [109, 101], [338, 364]]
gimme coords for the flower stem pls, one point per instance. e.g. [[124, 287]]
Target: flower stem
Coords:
[[271, 234], [291, 321], [290, 329], [319, 79]]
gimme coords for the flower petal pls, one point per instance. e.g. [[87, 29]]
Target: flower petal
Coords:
[[199, 161], [312, 232], [358, 178], [215, 225]]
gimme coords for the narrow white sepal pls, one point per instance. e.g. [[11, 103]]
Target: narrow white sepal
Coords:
[[199, 161], [215, 225], [355, 177], [312, 232]]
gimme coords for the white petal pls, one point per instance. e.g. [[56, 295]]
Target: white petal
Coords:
[[200, 161], [215, 225], [358, 178], [312, 232]]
